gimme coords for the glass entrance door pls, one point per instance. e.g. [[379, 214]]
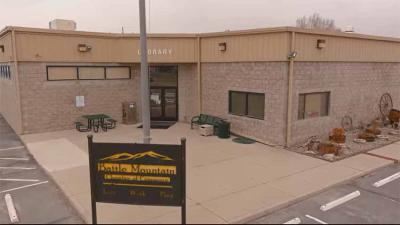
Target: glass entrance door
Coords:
[[164, 92], [163, 104], [155, 103]]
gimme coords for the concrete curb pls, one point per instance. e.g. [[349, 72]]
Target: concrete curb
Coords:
[[266, 211]]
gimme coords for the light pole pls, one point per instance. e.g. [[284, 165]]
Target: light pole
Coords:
[[144, 68]]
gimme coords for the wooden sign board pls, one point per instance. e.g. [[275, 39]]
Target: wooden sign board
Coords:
[[137, 174]]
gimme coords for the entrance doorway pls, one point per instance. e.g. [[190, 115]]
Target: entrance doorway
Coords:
[[163, 93], [163, 103]]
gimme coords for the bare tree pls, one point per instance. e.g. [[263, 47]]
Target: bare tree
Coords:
[[316, 22]]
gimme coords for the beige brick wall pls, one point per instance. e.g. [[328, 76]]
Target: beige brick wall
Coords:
[[187, 92], [50, 105], [263, 77], [9, 101], [356, 89]]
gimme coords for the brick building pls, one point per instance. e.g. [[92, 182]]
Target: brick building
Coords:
[[277, 85]]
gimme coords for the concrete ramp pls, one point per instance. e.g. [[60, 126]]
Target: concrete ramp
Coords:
[[58, 154]]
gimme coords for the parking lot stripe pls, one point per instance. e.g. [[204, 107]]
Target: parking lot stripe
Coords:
[[387, 180], [11, 209], [17, 159], [296, 220], [340, 201], [26, 186], [315, 219], [20, 180], [13, 148], [17, 168]]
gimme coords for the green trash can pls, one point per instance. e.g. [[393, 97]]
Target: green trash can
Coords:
[[224, 129]]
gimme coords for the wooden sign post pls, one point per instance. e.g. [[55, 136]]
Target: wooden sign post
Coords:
[[138, 174]]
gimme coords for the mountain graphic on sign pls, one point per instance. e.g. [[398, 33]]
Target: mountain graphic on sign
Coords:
[[128, 156]]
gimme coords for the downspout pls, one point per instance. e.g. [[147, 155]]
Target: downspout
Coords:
[[290, 92], [199, 92], [15, 58]]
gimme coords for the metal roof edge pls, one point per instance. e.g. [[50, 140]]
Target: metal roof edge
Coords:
[[202, 35]]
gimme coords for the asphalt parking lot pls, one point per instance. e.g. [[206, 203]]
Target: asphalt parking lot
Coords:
[[374, 205], [36, 198]]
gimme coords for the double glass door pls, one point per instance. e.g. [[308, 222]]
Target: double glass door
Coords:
[[163, 103]]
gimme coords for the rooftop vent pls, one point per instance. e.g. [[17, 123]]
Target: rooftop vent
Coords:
[[60, 24], [349, 29]]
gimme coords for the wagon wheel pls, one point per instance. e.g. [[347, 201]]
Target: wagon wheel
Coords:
[[347, 123], [385, 104]]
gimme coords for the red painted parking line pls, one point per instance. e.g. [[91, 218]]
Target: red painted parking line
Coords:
[[382, 157]]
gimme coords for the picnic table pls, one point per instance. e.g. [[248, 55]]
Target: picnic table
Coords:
[[94, 118]]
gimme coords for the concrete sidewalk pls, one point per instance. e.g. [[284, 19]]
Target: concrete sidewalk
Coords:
[[227, 182]]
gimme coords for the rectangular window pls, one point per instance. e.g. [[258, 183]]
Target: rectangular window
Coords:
[[5, 72], [313, 105], [55, 73], [118, 73], [62, 73], [91, 73], [247, 104]]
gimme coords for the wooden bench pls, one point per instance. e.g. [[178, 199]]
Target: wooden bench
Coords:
[[206, 119]]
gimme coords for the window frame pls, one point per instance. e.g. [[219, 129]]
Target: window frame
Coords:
[[88, 66], [5, 72], [328, 105], [246, 105]]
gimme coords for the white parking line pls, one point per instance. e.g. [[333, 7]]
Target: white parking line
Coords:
[[387, 180], [11, 209], [16, 159], [17, 168], [339, 201], [26, 186], [20, 180], [13, 148], [296, 220], [315, 219]]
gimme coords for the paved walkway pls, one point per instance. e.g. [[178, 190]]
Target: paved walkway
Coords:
[[227, 182], [36, 198]]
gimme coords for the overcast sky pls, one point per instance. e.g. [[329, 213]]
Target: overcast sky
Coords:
[[377, 17]]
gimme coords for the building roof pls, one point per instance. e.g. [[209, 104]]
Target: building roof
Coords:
[[195, 35]]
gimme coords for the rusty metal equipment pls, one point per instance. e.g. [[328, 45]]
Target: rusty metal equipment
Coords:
[[347, 123], [367, 136], [374, 128], [338, 135], [394, 118], [328, 148], [385, 104]]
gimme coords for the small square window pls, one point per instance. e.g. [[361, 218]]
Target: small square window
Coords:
[[313, 105], [247, 104]]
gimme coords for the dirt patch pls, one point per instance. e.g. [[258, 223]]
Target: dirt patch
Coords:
[[350, 147]]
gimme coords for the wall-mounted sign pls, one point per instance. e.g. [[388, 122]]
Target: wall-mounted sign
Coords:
[[80, 101], [157, 51], [137, 174]]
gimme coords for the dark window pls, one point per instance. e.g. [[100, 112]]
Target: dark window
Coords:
[[5, 72], [313, 105], [247, 104], [59, 73]]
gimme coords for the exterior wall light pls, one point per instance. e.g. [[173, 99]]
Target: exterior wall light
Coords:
[[292, 55], [321, 43], [84, 47], [222, 46]]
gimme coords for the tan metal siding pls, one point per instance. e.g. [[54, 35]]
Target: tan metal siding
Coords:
[[64, 48], [346, 49], [7, 55], [246, 48]]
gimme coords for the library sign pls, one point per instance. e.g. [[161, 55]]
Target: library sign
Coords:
[[137, 174]]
